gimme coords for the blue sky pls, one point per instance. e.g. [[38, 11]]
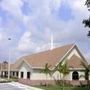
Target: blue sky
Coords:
[[29, 24]]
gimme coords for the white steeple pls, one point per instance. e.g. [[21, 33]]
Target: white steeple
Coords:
[[52, 45]]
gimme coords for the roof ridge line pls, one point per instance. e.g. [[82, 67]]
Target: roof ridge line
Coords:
[[66, 54], [49, 50]]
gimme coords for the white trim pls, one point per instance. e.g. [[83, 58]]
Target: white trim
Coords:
[[76, 69], [64, 55], [23, 60], [80, 53], [26, 62], [31, 66]]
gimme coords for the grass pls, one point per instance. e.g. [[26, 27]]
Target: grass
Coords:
[[57, 87]]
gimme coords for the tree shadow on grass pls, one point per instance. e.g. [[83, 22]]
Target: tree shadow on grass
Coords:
[[81, 88]]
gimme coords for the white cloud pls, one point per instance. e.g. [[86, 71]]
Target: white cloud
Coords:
[[24, 42], [87, 57], [43, 17], [56, 4], [42, 20], [13, 7], [79, 9], [1, 36]]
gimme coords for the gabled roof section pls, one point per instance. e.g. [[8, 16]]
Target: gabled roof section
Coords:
[[15, 66], [80, 54], [52, 57], [75, 62]]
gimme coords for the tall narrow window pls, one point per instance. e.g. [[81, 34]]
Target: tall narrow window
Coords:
[[22, 74], [13, 73], [17, 74], [28, 75]]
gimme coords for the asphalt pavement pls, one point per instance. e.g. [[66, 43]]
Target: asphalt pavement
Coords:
[[16, 86], [6, 86]]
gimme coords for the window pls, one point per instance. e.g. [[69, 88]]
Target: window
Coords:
[[17, 74], [13, 73], [22, 74], [75, 75], [28, 75]]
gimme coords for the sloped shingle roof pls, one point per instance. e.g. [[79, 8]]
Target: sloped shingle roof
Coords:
[[52, 57]]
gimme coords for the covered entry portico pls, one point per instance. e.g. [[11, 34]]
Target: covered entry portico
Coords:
[[4, 74]]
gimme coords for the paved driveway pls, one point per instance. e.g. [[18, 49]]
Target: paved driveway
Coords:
[[16, 86], [5, 86]]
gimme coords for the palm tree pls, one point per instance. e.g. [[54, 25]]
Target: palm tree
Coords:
[[58, 68], [62, 68], [46, 70], [87, 69], [65, 71]]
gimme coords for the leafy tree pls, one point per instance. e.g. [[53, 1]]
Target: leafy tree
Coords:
[[87, 2], [86, 22]]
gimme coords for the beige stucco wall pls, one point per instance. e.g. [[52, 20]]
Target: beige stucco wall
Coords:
[[24, 68], [36, 75], [41, 76], [80, 73]]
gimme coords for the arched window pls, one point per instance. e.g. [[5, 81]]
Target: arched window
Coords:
[[75, 75]]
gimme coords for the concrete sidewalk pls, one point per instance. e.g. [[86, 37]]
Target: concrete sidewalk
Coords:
[[19, 85]]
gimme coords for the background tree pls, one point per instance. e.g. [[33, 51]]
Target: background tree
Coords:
[[86, 22], [5, 64]]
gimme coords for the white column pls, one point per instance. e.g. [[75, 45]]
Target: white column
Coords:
[[19, 74]]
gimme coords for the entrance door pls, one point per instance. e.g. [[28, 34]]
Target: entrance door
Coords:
[[75, 75]]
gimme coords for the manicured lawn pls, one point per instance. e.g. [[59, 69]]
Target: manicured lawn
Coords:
[[56, 87]]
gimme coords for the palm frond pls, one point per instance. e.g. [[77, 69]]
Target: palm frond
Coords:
[[46, 69]]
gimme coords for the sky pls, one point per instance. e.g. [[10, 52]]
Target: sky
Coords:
[[29, 24]]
